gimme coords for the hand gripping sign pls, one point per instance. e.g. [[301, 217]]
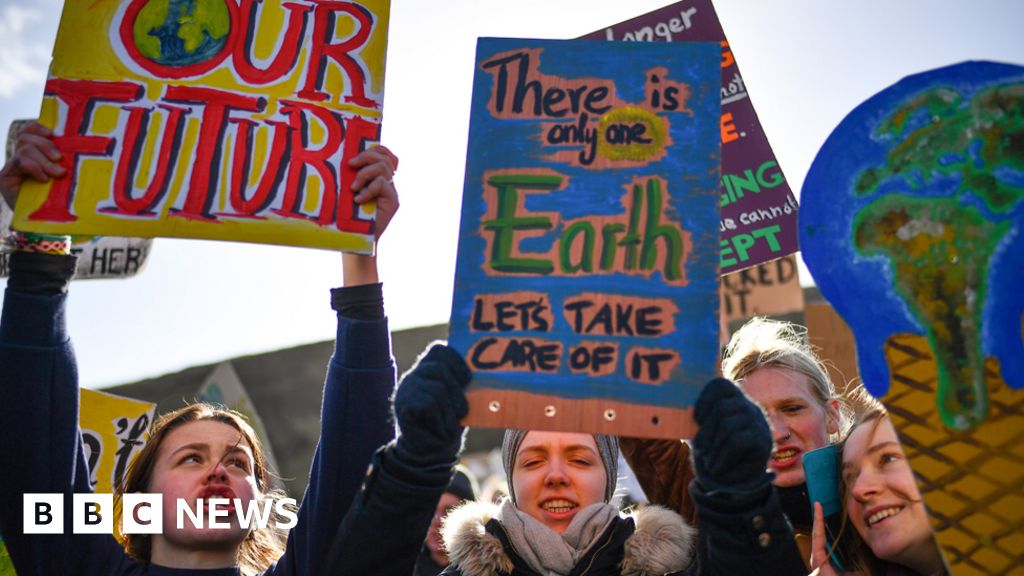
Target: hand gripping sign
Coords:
[[218, 119], [98, 256]]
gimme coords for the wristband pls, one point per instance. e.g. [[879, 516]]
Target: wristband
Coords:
[[40, 243]]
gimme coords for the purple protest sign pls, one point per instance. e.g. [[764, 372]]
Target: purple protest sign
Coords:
[[758, 209]]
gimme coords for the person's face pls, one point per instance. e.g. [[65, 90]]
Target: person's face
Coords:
[[434, 543], [204, 459], [798, 420], [555, 474], [883, 501]]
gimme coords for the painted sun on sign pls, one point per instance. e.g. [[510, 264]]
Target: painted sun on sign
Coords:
[[758, 212], [220, 119]]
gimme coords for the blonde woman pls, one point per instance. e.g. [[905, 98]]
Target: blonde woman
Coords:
[[775, 366]]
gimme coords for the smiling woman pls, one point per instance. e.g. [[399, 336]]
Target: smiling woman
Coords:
[[773, 363], [891, 530], [554, 475], [559, 518]]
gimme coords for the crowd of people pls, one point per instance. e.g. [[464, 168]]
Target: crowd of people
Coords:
[[733, 500]]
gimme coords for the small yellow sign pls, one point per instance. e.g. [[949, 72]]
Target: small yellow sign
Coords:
[[114, 428]]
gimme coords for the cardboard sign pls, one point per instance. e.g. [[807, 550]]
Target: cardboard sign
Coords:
[[911, 225], [832, 337], [758, 210], [770, 289], [114, 428], [216, 119], [586, 284], [98, 257], [913, 229], [970, 479]]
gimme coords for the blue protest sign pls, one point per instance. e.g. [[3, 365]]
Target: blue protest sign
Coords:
[[586, 290]]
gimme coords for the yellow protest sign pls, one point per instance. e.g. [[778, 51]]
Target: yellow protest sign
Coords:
[[216, 119], [98, 256], [114, 428]]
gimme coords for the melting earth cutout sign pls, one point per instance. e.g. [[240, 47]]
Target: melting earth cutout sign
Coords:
[[911, 224]]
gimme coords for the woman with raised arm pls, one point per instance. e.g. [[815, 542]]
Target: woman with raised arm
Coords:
[[885, 529], [197, 452]]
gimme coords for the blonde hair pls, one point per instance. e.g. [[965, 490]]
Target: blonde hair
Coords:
[[766, 343]]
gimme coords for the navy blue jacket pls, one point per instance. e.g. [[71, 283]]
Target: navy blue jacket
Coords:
[[41, 446]]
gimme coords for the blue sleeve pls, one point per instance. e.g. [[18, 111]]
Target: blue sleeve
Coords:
[[355, 420], [383, 532], [40, 442]]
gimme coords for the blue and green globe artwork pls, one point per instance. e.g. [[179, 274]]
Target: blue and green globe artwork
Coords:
[[181, 32], [911, 223]]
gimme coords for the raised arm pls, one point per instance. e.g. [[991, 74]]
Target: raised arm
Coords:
[[375, 182], [384, 531], [355, 415], [39, 435], [740, 522]]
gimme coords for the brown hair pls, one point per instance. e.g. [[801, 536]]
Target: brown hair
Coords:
[[853, 548], [262, 546], [857, 553], [766, 343]]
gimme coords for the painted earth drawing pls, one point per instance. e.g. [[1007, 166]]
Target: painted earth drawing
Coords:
[[910, 223]]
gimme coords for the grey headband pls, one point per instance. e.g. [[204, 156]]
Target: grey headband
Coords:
[[607, 447]]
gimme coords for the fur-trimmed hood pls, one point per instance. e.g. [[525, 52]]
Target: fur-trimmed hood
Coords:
[[662, 543]]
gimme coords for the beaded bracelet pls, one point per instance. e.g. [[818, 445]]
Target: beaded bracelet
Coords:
[[33, 242]]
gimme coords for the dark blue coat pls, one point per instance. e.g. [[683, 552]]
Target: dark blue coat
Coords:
[[41, 451]]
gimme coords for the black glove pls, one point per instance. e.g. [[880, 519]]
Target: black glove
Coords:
[[429, 404], [733, 443]]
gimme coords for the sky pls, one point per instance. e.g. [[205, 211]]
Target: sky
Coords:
[[806, 64]]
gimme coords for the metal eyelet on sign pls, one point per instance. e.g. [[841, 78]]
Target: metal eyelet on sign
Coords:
[[609, 414], [494, 406], [550, 411]]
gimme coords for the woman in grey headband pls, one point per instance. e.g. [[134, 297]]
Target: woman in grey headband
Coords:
[[557, 474], [559, 519]]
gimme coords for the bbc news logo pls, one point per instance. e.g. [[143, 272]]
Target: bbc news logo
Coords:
[[143, 513]]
